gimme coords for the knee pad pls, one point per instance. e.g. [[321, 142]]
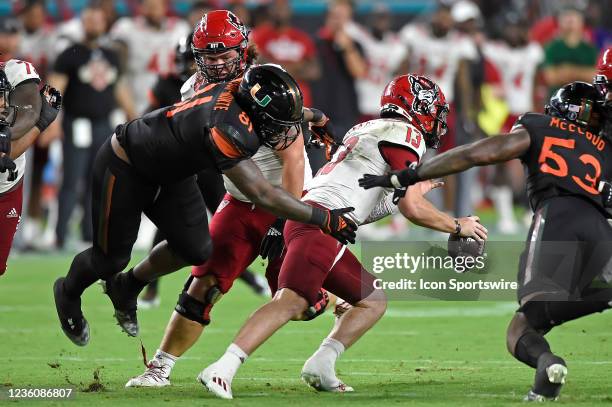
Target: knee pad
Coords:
[[195, 310]]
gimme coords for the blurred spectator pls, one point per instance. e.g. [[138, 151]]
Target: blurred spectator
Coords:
[[569, 57], [383, 51], [517, 60], [197, 10], [9, 38], [282, 44], [71, 31], [147, 43], [86, 72], [36, 37], [343, 62], [441, 53]]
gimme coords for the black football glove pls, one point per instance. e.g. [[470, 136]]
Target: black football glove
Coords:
[[394, 179], [319, 307], [51, 105], [6, 163], [335, 223], [605, 189], [273, 243], [5, 138], [323, 136]]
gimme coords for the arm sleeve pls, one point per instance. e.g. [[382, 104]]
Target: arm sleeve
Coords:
[[397, 156]]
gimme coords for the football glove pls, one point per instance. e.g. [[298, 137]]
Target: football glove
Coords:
[[6, 163], [394, 179], [273, 243], [51, 105], [5, 138], [323, 136], [335, 223]]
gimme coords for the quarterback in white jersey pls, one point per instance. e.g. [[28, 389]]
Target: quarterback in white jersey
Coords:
[[24, 114], [150, 40], [413, 117]]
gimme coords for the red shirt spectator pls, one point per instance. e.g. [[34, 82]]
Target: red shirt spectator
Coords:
[[285, 45]]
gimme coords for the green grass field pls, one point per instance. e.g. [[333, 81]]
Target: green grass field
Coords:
[[421, 353]]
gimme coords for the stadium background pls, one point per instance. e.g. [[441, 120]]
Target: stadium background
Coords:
[[444, 353]]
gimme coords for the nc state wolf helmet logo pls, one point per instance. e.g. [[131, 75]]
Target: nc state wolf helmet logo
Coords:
[[425, 94]]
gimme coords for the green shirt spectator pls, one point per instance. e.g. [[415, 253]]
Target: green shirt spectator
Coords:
[[569, 57]]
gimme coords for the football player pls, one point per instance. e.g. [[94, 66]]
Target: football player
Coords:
[[167, 91], [238, 229], [413, 118], [568, 163], [149, 166], [24, 114]]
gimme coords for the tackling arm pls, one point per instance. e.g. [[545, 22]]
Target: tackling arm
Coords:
[[250, 181], [492, 150]]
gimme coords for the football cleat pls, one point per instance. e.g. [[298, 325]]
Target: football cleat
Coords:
[[71, 317], [550, 377], [156, 375], [215, 383], [125, 305], [319, 374]]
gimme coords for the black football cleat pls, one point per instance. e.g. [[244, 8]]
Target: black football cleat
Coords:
[[73, 322], [549, 378], [125, 304]]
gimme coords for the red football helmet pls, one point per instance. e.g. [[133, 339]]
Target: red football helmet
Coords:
[[421, 102], [603, 77], [217, 32]]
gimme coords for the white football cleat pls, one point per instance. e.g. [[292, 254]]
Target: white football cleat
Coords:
[[156, 375], [215, 383], [320, 375]]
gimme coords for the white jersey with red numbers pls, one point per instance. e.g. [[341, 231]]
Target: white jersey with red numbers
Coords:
[[17, 72], [437, 58], [383, 57], [335, 185], [150, 52], [517, 67], [268, 161]]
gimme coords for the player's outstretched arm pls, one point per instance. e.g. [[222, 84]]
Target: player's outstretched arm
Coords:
[[250, 181], [492, 150]]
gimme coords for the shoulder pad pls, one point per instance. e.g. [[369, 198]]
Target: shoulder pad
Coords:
[[18, 72], [398, 132]]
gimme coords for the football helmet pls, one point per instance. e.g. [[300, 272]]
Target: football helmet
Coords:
[[8, 112], [217, 32], [576, 102], [603, 79], [273, 101], [420, 101], [183, 58]]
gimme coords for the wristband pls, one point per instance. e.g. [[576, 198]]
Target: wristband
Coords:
[[395, 181], [457, 227]]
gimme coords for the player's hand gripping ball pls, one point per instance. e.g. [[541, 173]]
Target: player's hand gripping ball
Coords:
[[460, 246]]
